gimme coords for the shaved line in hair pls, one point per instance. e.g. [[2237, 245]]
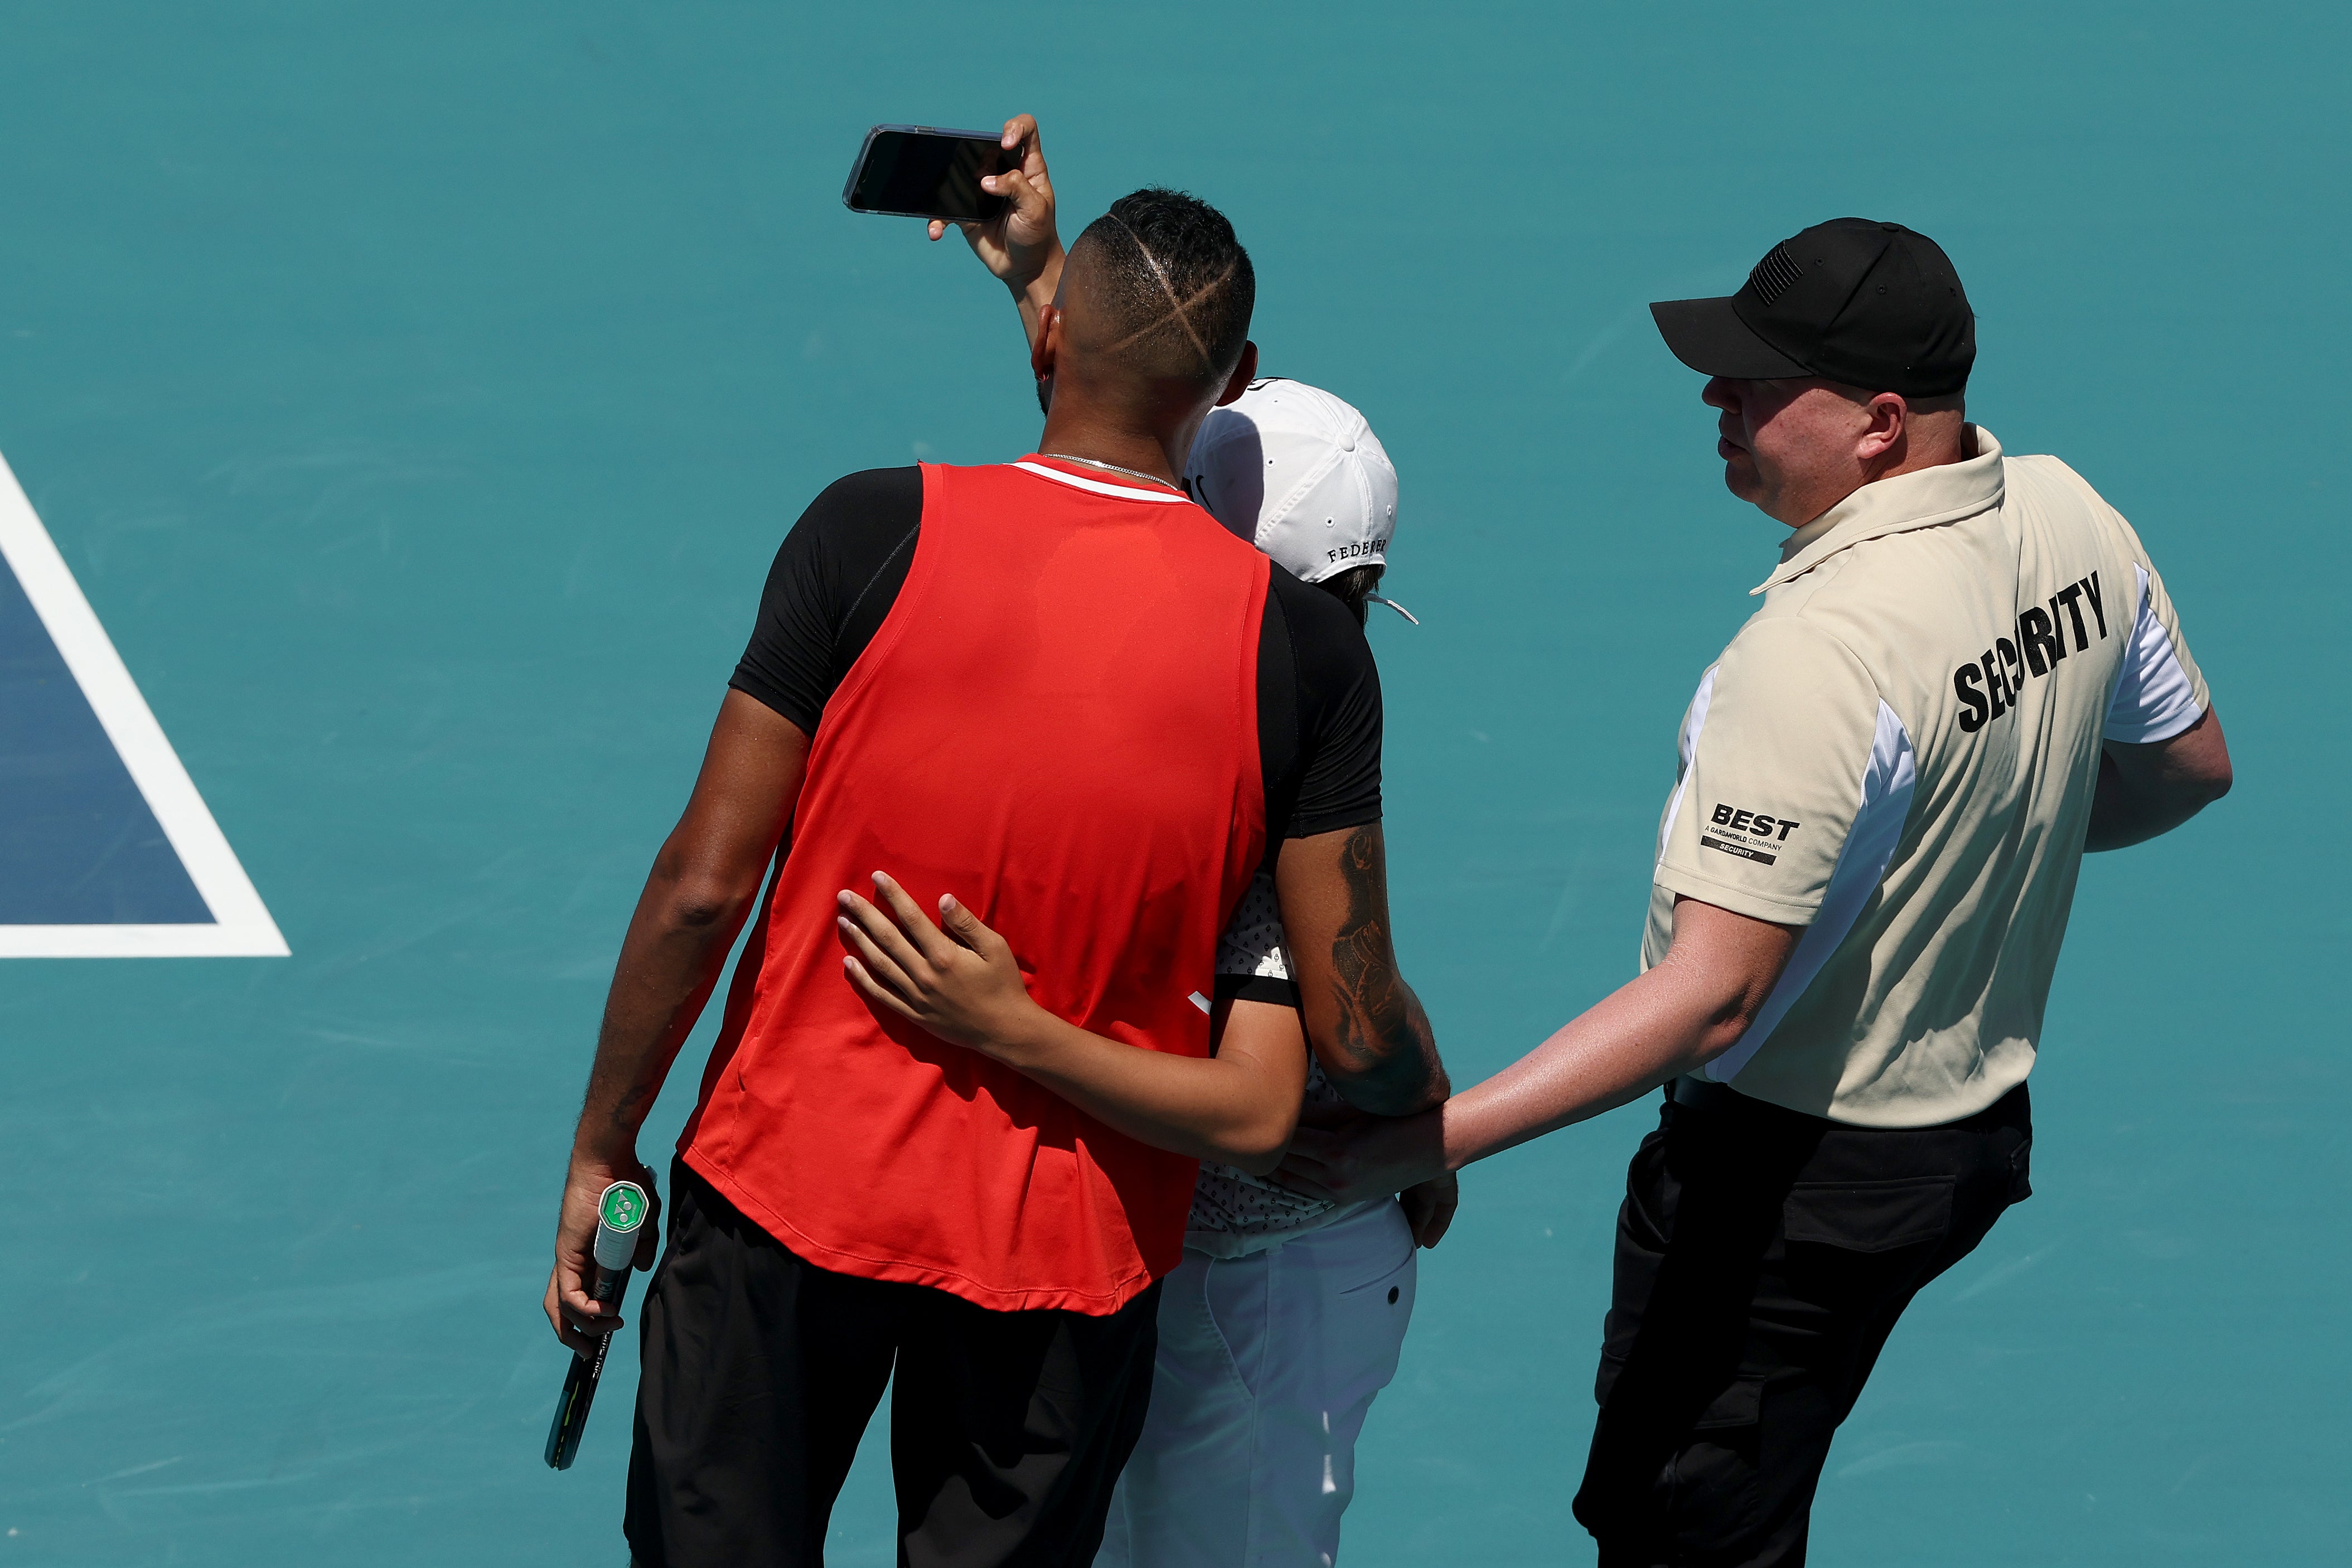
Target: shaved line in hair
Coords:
[[1177, 309]]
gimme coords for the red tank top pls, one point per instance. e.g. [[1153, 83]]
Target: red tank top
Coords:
[[1057, 723]]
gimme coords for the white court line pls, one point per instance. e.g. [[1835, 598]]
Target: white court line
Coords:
[[243, 928]]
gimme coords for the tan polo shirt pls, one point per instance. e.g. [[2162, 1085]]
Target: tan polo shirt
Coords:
[[1898, 752]]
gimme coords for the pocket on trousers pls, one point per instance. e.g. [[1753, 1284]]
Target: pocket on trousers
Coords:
[[1373, 1315], [1357, 1333], [1392, 1286], [1740, 1405], [1869, 1217], [1714, 1484], [1192, 1339]]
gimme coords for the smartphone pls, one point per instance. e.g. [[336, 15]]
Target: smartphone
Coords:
[[920, 171]]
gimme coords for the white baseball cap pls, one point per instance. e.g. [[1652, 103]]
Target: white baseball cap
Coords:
[[1299, 474]]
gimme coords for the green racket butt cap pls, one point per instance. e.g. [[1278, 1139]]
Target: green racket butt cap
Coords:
[[620, 1215]]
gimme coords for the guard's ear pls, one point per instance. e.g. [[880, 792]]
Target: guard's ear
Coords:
[[1889, 415], [1245, 371]]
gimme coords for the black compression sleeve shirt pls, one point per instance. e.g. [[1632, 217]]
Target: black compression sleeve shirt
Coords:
[[842, 565], [835, 578], [1326, 773]]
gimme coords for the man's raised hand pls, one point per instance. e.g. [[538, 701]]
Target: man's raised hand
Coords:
[[1018, 245]]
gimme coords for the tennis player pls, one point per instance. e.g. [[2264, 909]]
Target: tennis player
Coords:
[[1287, 1315], [1965, 672], [1060, 689]]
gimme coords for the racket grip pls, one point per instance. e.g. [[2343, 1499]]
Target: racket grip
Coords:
[[580, 1379], [620, 1210]]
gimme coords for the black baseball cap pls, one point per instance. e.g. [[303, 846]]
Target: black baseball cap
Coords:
[[1875, 305]]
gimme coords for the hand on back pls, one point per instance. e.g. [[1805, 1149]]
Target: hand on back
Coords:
[[961, 983]]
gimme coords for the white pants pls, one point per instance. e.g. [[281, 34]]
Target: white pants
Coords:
[[1268, 1366]]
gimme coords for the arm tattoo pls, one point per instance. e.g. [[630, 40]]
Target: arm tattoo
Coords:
[[1381, 1020], [625, 1115]]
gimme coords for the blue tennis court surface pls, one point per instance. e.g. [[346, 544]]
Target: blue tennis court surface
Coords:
[[417, 394]]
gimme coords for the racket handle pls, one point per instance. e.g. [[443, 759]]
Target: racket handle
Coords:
[[580, 1378], [620, 1211]]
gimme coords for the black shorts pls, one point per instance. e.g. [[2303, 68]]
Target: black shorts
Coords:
[[1007, 1429]]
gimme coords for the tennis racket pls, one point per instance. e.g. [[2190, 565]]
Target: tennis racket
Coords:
[[620, 1214]]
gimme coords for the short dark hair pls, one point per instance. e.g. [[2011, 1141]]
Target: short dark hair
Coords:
[[1176, 284], [1354, 588]]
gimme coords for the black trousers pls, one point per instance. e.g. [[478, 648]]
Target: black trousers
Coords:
[[1007, 1429], [1763, 1256]]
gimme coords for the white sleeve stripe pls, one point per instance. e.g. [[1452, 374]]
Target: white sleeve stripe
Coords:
[[1697, 722], [2154, 699], [1887, 782]]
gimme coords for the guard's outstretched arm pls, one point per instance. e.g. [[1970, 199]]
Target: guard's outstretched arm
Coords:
[[1676, 1016]]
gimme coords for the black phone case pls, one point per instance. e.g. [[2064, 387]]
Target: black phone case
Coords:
[[865, 148]]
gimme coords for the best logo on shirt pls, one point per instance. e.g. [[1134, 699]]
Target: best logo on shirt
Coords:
[[1746, 833]]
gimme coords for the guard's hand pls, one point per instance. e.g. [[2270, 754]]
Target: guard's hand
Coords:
[[577, 1321], [961, 983], [1018, 244], [1429, 1207], [1371, 1157]]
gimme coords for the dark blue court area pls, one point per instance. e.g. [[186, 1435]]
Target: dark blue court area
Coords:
[[78, 843], [418, 393]]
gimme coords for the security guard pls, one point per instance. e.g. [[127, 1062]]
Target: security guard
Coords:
[[1965, 671]]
